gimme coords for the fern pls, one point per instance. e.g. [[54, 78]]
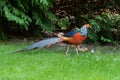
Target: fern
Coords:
[[41, 22], [13, 14], [50, 16]]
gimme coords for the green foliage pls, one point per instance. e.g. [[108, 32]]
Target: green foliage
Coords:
[[43, 17], [44, 23], [13, 14], [104, 26], [105, 40], [24, 13], [63, 23]]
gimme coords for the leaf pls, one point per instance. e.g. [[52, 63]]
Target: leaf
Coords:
[[50, 15], [105, 39], [63, 23]]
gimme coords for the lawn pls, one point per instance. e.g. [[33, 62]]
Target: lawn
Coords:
[[53, 64]]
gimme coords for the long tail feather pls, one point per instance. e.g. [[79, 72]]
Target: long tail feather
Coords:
[[40, 44]]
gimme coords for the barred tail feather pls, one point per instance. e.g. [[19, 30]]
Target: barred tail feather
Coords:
[[40, 44]]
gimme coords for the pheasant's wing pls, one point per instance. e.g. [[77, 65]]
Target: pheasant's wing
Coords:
[[70, 34]]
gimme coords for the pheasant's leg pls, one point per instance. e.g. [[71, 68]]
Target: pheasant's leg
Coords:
[[67, 50], [76, 48]]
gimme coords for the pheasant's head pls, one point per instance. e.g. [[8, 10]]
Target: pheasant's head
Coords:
[[87, 25]]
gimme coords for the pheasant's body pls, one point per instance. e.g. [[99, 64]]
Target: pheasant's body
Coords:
[[76, 39], [72, 38]]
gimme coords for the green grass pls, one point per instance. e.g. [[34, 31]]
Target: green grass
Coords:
[[53, 64]]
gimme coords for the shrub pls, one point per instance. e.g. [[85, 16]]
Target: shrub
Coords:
[[22, 13], [105, 26]]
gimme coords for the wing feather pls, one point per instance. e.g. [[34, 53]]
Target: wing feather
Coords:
[[70, 34]]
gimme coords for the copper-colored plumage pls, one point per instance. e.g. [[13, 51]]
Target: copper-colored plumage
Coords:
[[76, 39]]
